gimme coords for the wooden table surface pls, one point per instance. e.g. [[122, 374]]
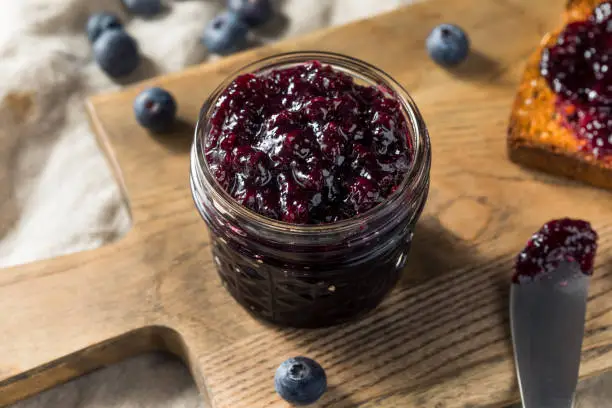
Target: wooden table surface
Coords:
[[441, 339]]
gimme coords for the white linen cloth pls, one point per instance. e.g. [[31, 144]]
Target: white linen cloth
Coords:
[[57, 194]]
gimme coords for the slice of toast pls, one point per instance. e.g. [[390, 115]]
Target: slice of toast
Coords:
[[537, 137]]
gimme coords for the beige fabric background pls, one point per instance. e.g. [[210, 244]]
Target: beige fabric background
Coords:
[[56, 192]]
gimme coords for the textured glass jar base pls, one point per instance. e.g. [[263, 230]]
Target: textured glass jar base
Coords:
[[303, 298]]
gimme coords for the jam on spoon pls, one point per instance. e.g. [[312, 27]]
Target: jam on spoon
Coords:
[[563, 240]]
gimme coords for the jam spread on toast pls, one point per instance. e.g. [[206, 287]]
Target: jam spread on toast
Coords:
[[578, 68]]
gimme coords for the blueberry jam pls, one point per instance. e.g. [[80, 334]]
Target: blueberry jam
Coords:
[[578, 69], [307, 145], [563, 240], [595, 127], [311, 152]]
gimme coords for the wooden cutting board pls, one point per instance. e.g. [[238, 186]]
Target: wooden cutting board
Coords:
[[440, 340]]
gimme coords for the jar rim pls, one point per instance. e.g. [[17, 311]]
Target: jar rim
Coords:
[[415, 180]]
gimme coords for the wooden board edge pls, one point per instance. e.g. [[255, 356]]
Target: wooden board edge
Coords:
[[107, 151], [140, 341]]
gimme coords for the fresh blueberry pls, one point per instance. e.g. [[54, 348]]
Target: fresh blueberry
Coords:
[[226, 33], [448, 45], [300, 381], [100, 22], [116, 52], [155, 109], [146, 8], [253, 12]]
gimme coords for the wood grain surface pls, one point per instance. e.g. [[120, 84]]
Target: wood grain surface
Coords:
[[441, 339]]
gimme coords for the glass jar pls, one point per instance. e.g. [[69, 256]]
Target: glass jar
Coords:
[[312, 275]]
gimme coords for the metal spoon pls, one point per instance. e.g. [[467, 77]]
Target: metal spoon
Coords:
[[547, 318]]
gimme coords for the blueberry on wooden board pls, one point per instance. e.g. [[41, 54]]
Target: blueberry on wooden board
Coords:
[[448, 45], [155, 109], [300, 381]]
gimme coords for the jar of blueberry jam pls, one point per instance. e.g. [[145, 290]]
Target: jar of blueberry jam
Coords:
[[310, 170]]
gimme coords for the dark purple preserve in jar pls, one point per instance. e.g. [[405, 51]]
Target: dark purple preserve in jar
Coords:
[[310, 170]]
